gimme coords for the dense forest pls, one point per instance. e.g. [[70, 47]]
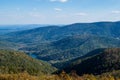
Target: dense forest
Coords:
[[80, 51], [100, 62], [17, 62]]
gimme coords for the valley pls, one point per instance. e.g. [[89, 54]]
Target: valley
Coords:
[[86, 48]]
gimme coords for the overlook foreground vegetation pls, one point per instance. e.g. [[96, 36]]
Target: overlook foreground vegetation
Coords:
[[62, 76], [18, 66]]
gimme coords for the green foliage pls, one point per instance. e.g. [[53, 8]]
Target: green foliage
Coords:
[[8, 45], [62, 76], [16, 62], [105, 61], [69, 48]]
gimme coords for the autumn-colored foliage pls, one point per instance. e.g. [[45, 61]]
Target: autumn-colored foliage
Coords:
[[61, 76]]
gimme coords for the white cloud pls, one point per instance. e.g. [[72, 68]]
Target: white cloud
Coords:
[[63, 1], [57, 9], [116, 12], [81, 14]]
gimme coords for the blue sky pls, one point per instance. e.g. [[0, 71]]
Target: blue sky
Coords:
[[58, 11]]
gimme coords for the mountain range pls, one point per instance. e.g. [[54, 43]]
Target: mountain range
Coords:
[[60, 45], [52, 33]]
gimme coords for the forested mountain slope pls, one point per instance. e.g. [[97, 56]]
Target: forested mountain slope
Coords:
[[70, 47], [18, 62], [50, 33], [103, 61]]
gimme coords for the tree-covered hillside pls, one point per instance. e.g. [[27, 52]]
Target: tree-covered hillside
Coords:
[[50, 33], [8, 45], [103, 61], [69, 48], [17, 62]]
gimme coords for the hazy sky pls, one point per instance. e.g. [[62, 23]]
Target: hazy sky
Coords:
[[58, 11]]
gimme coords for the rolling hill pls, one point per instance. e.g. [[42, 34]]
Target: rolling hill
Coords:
[[8, 45], [51, 33], [70, 48], [103, 61], [18, 62]]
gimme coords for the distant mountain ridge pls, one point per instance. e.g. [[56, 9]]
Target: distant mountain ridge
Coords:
[[51, 33], [4, 29]]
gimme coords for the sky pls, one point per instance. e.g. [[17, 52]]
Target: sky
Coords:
[[58, 11]]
